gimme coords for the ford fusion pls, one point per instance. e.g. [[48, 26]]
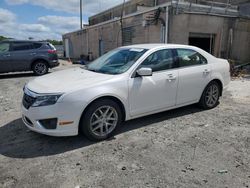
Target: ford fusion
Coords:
[[125, 83]]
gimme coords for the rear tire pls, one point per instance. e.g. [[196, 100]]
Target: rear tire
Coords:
[[101, 119], [40, 68], [210, 96]]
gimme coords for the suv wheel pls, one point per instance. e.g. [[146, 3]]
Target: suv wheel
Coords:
[[40, 68], [210, 96], [101, 120]]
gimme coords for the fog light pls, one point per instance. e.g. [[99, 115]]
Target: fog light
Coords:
[[28, 121], [48, 123]]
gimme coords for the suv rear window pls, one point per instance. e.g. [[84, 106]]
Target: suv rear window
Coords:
[[51, 46]]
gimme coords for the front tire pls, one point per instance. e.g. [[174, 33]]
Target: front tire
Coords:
[[210, 96], [40, 68], [101, 120]]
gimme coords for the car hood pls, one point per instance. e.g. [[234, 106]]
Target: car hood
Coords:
[[67, 80]]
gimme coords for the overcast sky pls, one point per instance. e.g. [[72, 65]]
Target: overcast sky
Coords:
[[46, 19]]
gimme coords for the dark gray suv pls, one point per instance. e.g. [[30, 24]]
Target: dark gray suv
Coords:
[[26, 56]]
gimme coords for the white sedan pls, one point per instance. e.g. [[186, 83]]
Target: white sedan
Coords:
[[126, 83]]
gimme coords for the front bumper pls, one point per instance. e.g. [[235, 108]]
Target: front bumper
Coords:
[[63, 112]]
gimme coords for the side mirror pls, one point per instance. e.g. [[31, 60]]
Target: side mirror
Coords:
[[144, 72]]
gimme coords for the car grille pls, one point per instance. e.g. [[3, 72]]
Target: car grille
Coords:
[[28, 100]]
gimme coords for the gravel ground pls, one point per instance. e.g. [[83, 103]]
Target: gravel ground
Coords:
[[186, 147]]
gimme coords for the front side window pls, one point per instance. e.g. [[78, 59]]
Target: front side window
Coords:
[[4, 47], [116, 61], [18, 46], [160, 60], [189, 57]]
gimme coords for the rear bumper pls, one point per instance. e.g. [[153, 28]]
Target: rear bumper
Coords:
[[54, 63]]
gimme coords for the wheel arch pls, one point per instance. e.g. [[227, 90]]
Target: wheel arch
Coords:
[[114, 98], [219, 82], [37, 60], [214, 80]]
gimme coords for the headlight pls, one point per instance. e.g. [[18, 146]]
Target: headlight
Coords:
[[46, 100]]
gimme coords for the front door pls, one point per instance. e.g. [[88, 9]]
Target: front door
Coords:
[[157, 92], [5, 64]]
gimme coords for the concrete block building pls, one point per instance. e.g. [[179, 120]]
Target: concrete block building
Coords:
[[221, 27]]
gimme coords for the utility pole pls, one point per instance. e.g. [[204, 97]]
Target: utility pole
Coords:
[[81, 13]]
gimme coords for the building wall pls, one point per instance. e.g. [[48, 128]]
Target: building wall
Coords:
[[77, 43], [241, 41], [183, 24], [87, 41], [225, 29], [132, 6], [129, 7]]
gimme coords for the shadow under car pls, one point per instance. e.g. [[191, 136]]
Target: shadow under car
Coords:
[[17, 141]]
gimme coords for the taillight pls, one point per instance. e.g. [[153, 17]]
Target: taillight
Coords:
[[52, 51]]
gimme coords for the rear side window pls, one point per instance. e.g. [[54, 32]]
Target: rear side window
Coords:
[[189, 57], [4, 47], [19, 46], [37, 45]]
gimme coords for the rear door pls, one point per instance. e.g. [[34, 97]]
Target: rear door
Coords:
[[21, 55], [194, 75], [5, 64]]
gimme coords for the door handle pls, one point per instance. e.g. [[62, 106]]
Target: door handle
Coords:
[[33, 53], [171, 77], [206, 71]]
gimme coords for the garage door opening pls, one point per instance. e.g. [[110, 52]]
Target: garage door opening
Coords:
[[203, 41]]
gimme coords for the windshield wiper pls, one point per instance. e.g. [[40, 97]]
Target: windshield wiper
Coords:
[[93, 70], [98, 71]]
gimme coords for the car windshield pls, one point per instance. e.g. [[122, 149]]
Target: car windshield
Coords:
[[116, 61]]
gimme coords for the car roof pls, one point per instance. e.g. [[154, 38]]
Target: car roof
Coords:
[[31, 41], [158, 45]]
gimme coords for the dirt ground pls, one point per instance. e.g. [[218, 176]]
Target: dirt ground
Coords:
[[186, 147]]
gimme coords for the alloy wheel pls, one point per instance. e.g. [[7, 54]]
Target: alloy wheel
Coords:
[[212, 95], [103, 121], [40, 68]]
